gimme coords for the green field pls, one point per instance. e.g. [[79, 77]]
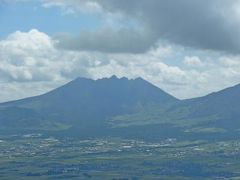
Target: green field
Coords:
[[39, 157]]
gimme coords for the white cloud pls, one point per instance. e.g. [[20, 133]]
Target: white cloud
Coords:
[[18, 90], [31, 56], [192, 61], [73, 6], [30, 64], [230, 61]]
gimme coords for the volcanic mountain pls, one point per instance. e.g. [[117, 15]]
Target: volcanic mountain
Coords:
[[123, 106], [82, 102]]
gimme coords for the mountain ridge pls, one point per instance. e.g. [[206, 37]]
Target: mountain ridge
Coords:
[[85, 102], [122, 105], [85, 79]]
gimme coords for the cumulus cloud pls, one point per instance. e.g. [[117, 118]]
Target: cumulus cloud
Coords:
[[147, 38], [31, 56], [18, 56], [192, 61], [31, 59], [200, 24], [30, 64], [230, 61]]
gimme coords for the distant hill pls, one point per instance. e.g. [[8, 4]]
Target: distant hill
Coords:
[[215, 114], [223, 108]]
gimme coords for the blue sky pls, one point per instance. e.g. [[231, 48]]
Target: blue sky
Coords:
[[24, 16], [187, 48]]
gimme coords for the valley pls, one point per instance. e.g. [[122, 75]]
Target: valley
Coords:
[[36, 156]]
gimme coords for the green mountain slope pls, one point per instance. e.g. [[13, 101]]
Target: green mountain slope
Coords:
[[215, 113]]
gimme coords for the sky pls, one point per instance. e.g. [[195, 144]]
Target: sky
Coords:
[[187, 48]]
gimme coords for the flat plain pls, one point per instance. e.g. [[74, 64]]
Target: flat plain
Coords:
[[35, 156]]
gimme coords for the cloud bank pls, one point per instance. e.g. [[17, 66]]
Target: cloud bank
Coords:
[[31, 65], [212, 25], [188, 48]]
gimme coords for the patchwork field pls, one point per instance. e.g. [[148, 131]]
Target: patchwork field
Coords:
[[35, 156]]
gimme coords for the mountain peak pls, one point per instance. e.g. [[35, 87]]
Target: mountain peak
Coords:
[[113, 77], [86, 101], [139, 79], [138, 89]]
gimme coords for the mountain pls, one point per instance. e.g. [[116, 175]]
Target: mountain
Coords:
[[82, 103], [222, 108], [125, 107], [216, 114]]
